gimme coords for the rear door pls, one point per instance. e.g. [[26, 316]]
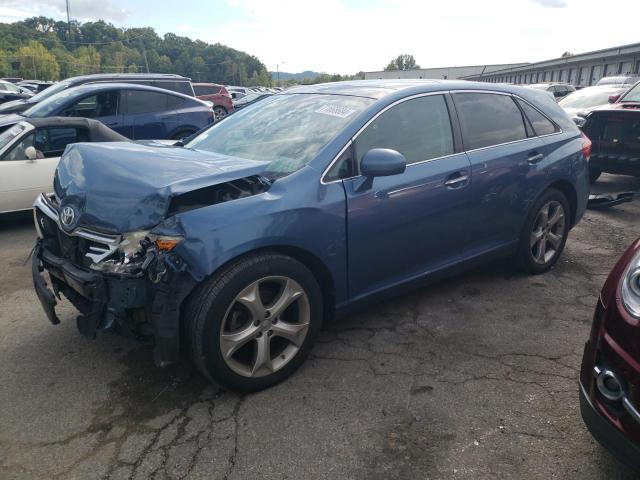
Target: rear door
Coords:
[[405, 225], [146, 113], [506, 168]]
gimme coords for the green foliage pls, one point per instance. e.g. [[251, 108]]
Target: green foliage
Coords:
[[402, 62], [37, 62], [59, 52]]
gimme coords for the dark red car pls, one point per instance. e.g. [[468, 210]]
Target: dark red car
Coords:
[[218, 95], [610, 374]]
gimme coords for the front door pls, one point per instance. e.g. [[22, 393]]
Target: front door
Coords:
[[406, 225]]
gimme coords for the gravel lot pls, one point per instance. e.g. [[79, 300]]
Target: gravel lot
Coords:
[[473, 378]]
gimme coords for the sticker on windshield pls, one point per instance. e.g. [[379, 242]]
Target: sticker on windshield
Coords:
[[336, 111]]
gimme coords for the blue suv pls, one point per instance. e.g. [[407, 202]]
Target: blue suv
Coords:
[[138, 112], [234, 247]]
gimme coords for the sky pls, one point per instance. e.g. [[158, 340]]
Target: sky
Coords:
[[347, 36]]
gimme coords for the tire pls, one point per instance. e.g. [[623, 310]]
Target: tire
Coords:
[[219, 113], [181, 134], [539, 257], [594, 175], [226, 329]]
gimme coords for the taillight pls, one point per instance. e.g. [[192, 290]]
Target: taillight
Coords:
[[586, 147]]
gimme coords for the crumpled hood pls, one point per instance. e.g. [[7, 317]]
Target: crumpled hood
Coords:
[[122, 186]]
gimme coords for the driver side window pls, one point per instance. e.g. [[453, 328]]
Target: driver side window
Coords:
[[102, 104], [420, 129], [36, 140]]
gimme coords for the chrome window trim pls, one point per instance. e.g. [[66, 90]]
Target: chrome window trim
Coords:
[[441, 92]]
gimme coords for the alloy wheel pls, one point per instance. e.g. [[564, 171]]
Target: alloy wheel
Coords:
[[265, 326], [548, 232], [219, 113]]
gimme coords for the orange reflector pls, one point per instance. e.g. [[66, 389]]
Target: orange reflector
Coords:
[[167, 244]]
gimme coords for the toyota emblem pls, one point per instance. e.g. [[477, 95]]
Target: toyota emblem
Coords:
[[67, 216]]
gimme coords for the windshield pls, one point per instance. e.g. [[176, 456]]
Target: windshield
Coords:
[[286, 130], [52, 90], [632, 95], [587, 98], [50, 104], [8, 135]]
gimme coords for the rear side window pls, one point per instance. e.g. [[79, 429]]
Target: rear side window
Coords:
[[541, 124], [489, 119], [174, 102], [139, 101], [206, 90], [175, 86], [420, 129]]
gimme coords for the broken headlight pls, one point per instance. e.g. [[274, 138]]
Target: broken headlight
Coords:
[[630, 289], [134, 243]]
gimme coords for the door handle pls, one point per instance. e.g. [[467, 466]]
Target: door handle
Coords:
[[456, 180], [534, 158]]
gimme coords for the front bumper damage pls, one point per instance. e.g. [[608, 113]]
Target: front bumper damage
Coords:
[[143, 302]]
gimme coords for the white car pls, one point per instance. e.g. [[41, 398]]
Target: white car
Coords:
[[30, 150]]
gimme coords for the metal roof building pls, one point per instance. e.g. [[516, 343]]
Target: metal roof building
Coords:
[[582, 70], [443, 73]]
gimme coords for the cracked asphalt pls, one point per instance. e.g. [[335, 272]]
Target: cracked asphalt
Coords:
[[471, 378]]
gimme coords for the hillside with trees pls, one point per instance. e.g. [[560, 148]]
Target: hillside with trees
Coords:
[[46, 49]]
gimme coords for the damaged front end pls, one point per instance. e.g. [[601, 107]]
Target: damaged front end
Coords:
[[132, 283]]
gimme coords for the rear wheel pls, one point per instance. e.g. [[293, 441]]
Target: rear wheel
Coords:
[[219, 113], [545, 233], [252, 325]]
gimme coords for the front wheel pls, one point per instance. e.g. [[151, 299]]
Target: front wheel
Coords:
[[253, 324], [545, 233]]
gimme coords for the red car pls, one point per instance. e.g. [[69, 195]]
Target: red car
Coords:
[[610, 374], [218, 95]]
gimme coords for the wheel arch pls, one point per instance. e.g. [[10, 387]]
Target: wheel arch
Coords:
[[569, 191], [317, 267]]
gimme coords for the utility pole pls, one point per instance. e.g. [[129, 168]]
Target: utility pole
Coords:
[[68, 21], [278, 71]]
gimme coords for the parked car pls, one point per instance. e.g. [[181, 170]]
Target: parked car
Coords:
[[10, 91], [166, 81], [12, 79], [237, 92], [307, 205], [557, 90], [620, 80], [610, 373], [35, 86], [29, 154], [250, 99], [218, 95], [136, 111], [581, 102], [615, 133]]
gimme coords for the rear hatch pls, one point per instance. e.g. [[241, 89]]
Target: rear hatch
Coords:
[[615, 133]]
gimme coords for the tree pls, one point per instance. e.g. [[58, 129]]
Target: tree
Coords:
[[402, 62], [37, 62]]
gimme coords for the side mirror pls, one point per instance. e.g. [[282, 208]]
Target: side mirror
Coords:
[[31, 153], [382, 162], [614, 98]]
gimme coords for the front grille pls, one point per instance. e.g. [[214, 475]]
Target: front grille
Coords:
[[81, 247]]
